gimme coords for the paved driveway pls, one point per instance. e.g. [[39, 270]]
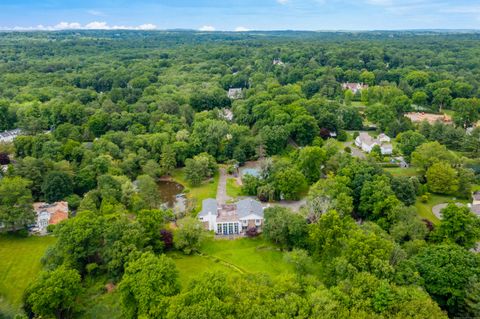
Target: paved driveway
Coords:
[[222, 197]]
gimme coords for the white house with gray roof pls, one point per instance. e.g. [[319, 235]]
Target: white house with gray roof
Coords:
[[231, 219], [366, 143], [9, 136]]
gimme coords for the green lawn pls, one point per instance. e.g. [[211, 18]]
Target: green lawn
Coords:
[[424, 210], [19, 265], [198, 193], [234, 257], [398, 171], [233, 189], [250, 255]]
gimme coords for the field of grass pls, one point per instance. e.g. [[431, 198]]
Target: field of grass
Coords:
[[233, 189], [250, 255], [424, 210], [234, 257], [398, 171], [19, 265], [206, 190]]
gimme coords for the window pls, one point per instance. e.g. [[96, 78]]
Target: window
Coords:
[[219, 228], [225, 229], [230, 228], [257, 222], [245, 222], [236, 228]]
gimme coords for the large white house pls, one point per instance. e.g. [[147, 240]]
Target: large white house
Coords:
[[49, 214], [231, 219], [9, 136], [366, 143]]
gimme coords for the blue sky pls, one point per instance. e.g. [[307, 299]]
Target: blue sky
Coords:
[[240, 14]]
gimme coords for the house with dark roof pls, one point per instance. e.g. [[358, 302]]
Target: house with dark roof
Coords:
[[231, 219]]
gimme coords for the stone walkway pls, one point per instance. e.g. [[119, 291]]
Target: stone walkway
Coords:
[[436, 210]]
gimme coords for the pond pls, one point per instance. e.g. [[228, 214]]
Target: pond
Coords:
[[171, 194]]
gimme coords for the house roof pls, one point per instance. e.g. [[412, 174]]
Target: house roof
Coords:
[[9, 134], [57, 211], [235, 93], [209, 205], [366, 138], [475, 209], [247, 207], [476, 196]]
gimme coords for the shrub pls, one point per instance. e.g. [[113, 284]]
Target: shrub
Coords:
[[342, 136], [347, 150], [252, 232], [425, 198]]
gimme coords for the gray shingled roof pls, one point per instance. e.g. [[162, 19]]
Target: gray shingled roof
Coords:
[[208, 205], [246, 207]]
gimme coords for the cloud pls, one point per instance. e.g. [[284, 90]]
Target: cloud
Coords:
[[380, 2], [95, 13], [207, 28], [241, 29], [283, 1], [94, 25]]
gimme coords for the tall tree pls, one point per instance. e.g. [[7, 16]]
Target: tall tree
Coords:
[[15, 202]]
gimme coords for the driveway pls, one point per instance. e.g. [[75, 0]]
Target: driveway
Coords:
[[222, 197], [356, 152]]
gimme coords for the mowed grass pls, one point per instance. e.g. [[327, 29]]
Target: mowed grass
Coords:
[[398, 171], [233, 257], [424, 210], [207, 189], [251, 255], [19, 266], [233, 189]]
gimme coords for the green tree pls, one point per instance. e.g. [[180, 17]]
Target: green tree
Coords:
[[467, 111], [448, 272], [15, 202], [408, 141], [54, 293], [168, 159], [146, 285], [459, 225], [153, 221], [284, 227], [310, 161], [442, 97], [57, 186], [442, 179], [289, 183], [189, 235], [199, 168], [148, 191], [429, 153]]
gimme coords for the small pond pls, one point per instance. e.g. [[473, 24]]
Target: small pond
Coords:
[[171, 194]]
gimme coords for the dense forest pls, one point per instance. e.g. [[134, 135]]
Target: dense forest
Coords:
[[105, 114]]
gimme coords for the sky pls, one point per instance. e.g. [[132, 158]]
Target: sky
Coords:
[[239, 15]]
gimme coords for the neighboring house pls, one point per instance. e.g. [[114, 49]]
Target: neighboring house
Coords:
[[227, 114], [49, 214], [475, 206], [235, 93], [354, 87], [278, 62], [418, 117], [366, 143], [9, 136], [231, 219]]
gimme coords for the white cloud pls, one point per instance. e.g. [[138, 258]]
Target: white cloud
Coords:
[[208, 28], [95, 13], [283, 1], [94, 25], [241, 29]]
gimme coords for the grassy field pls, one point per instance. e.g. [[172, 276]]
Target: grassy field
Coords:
[[424, 210], [398, 171], [234, 257], [198, 193], [233, 189], [19, 265]]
